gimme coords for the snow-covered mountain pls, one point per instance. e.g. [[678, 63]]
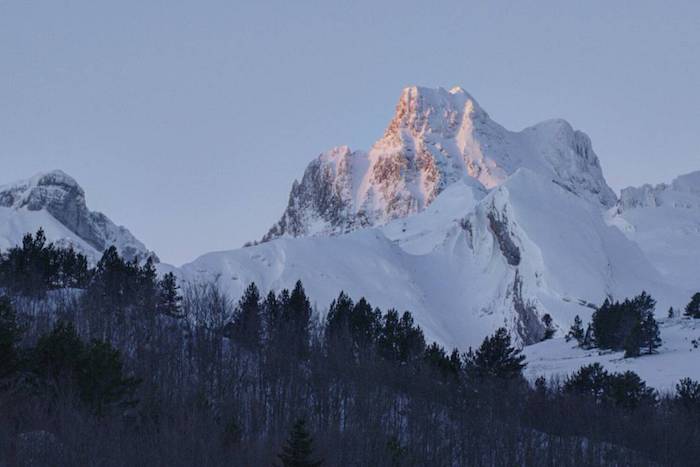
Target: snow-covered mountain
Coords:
[[473, 261], [435, 138], [468, 225], [664, 220], [55, 202]]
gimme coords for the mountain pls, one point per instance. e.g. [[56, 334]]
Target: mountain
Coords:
[[55, 202], [473, 261], [435, 138], [664, 220]]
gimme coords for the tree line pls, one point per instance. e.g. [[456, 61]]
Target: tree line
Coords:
[[127, 368]]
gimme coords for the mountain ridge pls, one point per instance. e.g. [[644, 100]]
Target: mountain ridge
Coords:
[[56, 202], [435, 138]]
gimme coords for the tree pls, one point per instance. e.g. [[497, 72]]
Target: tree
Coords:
[[650, 338], [576, 332], [9, 336], [688, 394], [400, 340], [169, 298], [633, 341], [298, 449], [495, 358], [628, 390], [101, 379], [613, 322], [58, 355], [296, 317], [589, 380], [247, 325], [693, 308]]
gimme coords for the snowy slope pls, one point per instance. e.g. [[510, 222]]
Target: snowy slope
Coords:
[[435, 138], [473, 261], [468, 225], [678, 357], [55, 202], [664, 220]]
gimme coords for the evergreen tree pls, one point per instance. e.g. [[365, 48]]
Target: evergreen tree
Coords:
[[57, 355], [633, 341], [495, 358], [271, 319], [688, 394], [628, 390], [169, 298], [9, 336], [589, 380], [101, 379], [296, 317], [693, 308], [613, 322], [338, 332], [298, 449], [247, 319], [147, 285], [576, 332], [650, 338]]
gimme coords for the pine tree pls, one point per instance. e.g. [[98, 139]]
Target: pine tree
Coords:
[[628, 390], [693, 308], [495, 358], [247, 319], [169, 299], [590, 380], [101, 379], [688, 394], [576, 332], [650, 338], [298, 449], [633, 341]]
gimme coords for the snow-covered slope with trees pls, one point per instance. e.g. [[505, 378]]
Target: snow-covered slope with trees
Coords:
[[435, 138], [55, 202], [677, 358], [449, 215], [473, 261]]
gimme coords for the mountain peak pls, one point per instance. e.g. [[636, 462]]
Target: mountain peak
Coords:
[[55, 197], [435, 138]]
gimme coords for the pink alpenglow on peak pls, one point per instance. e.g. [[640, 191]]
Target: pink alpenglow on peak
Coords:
[[436, 138]]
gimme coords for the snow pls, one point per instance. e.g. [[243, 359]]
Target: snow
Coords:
[[446, 266], [15, 224], [435, 139], [55, 202], [665, 222], [677, 358]]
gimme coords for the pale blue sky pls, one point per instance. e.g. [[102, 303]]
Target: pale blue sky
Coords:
[[188, 121]]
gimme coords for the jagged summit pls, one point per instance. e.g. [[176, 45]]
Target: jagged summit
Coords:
[[435, 138], [55, 202]]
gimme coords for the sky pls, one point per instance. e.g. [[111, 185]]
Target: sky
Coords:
[[187, 122]]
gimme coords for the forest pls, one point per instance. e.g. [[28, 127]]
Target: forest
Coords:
[[114, 365]]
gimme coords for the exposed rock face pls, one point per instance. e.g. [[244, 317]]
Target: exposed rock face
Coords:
[[60, 196], [435, 138]]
